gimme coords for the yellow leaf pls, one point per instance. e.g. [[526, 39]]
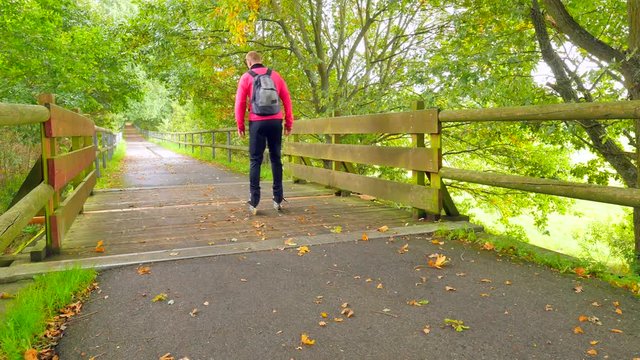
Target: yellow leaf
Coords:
[[31, 354], [304, 339], [379, 286], [144, 270], [365, 237], [618, 311], [338, 319], [439, 262], [403, 249], [616, 331], [100, 247], [594, 342], [344, 305], [507, 282], [369, 280], [4, 296], [437, 242], [616, 303], [336, 229], [324, 315], [578, 330], [592, 352], [160, 297], [303, 250], [383, 228], [583, 318], [167, 356]]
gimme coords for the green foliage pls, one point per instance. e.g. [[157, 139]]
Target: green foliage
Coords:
[[111, 177], [613, 239], [27, 315]]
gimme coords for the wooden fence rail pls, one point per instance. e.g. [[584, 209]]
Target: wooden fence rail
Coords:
[[73, 162]]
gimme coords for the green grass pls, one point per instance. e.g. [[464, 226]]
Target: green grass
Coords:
[[8, 190], [27, 315], [111, 177], [239, 160]]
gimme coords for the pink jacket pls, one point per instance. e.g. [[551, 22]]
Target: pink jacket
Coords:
[[245, 90]]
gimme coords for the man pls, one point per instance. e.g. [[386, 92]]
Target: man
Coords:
[[265, 123]]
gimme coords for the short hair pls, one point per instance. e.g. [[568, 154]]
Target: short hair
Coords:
[[254, 56]]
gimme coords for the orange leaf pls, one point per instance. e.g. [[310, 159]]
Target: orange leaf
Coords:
[[144, 270], [580, 271], [618, 311], [31, 354], [592, 352], [403, 249], [616, 331], [100, 247], [583, 318], [365, 237], [578, 330], [303, 250], [488, 246], [383, 228], [304, 339], [437, 242], [167, 356], [439, 262], [594, 342], [616, 303]]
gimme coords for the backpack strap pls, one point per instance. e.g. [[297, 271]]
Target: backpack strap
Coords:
[[268, 72], [252, 73]]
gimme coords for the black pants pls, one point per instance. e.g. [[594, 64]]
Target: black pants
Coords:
[[265, 133]]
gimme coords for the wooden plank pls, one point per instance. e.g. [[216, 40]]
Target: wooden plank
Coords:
[[18, 216], [410, 122], [408, 194], [63, 168], [64, 122], [572, 111], [64, 216], [423, 159], [603, 194], [18, 114]]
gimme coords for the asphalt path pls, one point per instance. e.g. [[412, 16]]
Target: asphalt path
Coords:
[[256, 305]]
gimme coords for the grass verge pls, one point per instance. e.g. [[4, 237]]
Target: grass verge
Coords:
[[239, 160], [111, 177], [505, 245], [27, 315]]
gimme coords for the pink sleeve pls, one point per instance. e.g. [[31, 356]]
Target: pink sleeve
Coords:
[[286, 102], [241, 102]]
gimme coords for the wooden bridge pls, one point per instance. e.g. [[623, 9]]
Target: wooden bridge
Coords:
[[172, 203]]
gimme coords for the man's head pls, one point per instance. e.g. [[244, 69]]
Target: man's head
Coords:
[[252, 58]]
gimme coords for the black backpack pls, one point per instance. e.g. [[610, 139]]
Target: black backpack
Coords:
[[265, 100]]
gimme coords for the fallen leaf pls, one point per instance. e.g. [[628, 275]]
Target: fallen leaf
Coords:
[[338, 319], [592, 352], [174, 253], [369, 280], [379, 286], [347, 312], [144, 270], [302, 250], [617, 331], [548, 307], [290, 242], [484, 295], [383, 228], [166, 356], [458, 325], [578, 330], [449, 288], [417, 302], [31, 354], [488, 246], [244, 280], [171, 302], [194, 313], [437, 242], [322, 323], [344, 305], [618, 311], [336, 229], [365, 237], [594, 342], [403, 249], [485, 280], [100, 247], [426, 330], [324, 315], [583, 318], [206, 303], [594, 320], [577, 289], [461, 274], [439, 262], [580, 271], [306, 340], [4, 296], [616, 303], [596, 304], [159, 297], [507, 282]]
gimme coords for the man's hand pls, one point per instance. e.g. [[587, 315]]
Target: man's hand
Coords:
[[241, 133], [287, 132]]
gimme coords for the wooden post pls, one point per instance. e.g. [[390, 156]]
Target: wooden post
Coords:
[[48, 151], [193, 146], [229, 144], [213, 144], [417, 140], [97, 160], [200, 144]]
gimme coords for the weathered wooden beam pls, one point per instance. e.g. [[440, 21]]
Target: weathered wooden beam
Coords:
[[412, 195], [18, 216], [19, 114], [64, 216], [598, 193], [65, 122], [63, 168], [410, 122], [423, 159], [567, 111]]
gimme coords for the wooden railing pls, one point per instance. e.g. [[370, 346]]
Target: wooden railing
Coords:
[[65, 175], [207, 139]]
